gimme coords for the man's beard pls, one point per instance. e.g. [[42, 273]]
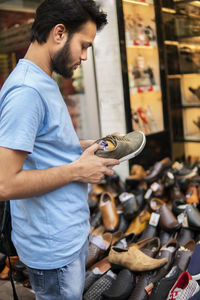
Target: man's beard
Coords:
[[62, 59]]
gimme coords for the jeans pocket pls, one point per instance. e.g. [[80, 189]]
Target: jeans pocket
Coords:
[[37, 279]]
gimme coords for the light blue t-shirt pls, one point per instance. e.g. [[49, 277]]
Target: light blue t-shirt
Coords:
[[48, 230]]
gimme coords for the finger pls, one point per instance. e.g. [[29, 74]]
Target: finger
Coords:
[[111, 162], [93, 148], [109, 172]]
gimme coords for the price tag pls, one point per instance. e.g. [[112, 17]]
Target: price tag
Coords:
[[180, 218], [155, 186], [154, 219], [185, 222], [125, 196], [148, 194], [170, 175]]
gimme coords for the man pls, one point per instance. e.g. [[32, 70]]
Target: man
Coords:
[[43, 167]]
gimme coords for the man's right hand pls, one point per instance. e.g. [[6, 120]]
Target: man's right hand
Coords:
[[91, 168]]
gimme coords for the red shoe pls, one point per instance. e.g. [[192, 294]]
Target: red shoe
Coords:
[[184, 288]]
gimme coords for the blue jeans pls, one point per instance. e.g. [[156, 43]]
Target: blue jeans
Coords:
[[65, 283]]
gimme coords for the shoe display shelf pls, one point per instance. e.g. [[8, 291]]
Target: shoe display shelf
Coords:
[[181, 34], [143, 66], [143, 81]]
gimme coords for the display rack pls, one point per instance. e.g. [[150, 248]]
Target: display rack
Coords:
[[144, 84], [183, 71]]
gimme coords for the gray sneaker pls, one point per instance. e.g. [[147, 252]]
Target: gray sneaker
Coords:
[[121, 147]]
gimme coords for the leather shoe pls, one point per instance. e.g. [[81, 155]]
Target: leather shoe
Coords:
[[130, 205], [95, 219], [184, 254], [150, 231], [109, 212], [100, 286], [138, 224], [122, 287], [2, 258], [96, 272], [167, 220], [193, 217], [125, 241], [168, 252], [178, 207], [149, 246], [191, 195], [185, 235], [176, 194], [123, 222], [139, 292], [165, 236], [134, 259], [162, 287], [158, 169], [5, 273], [137, 172], [98, 246]]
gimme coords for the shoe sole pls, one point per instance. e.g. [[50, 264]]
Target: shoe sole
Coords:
[[133, 154], [196, 277]]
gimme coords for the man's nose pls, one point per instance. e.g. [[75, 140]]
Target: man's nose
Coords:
[[84, 55]]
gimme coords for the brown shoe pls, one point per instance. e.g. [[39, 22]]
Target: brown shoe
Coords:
[[98, 246], [13, 260], [191, 195], [4, 273], [98, 231], [134, 259], [167, 219], [103, 265], [149, 246], [139, 223], [109, 212], [158, 169], [137, 172], [184, 254]]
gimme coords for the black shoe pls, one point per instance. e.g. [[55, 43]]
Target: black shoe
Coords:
[[178, 207], [130, 205], [123, 223], [90, 277], [150, 231], [95, 219], [168, 251], [163, 286], [122, 286], [165, 236], [100, 286], [139, 292], [193, 217], [125, 241], [184, 235]]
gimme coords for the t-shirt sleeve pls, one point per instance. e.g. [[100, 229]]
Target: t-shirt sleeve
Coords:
[[21, 117]]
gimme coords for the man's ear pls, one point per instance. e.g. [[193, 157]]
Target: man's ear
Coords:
[[59, 33]]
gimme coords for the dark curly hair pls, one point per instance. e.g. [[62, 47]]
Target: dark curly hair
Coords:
[[73, 14]]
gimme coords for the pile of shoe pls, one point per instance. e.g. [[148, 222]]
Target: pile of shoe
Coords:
[[144, 238]]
